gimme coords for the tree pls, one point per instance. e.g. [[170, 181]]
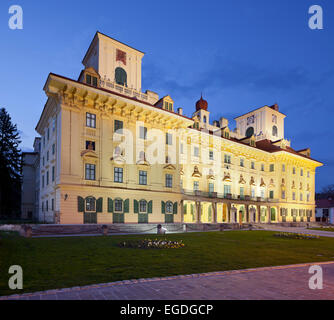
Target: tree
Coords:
[[326, 192], [10, 166]]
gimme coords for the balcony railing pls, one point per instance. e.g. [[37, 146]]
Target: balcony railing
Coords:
[[229, 196], [123, 90]]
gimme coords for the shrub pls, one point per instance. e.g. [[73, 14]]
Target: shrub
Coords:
[[151, 244]]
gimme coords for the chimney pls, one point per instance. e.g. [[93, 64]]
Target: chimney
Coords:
[[180, 111]]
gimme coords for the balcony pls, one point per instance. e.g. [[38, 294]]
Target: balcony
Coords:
[[228, 196], [110, 85]]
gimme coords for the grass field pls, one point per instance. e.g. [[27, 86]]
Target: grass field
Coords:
[[50, 263]]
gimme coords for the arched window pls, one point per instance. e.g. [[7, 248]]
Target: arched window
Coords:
[[275, 131], [169, 207], [120, 76], [204, 119], [90, 204], [143, 206], [249, 132]]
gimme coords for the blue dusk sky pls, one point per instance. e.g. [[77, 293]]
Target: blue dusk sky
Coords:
[[241, 54]]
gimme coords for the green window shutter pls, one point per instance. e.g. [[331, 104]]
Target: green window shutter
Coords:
[[135, 206], [163, 207], [126, 205], [81, 204], [150, 205], [99, 205], [185, 209], [175, 208], [110, 205]]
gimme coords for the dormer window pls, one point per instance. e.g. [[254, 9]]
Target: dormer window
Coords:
[[91, 80]]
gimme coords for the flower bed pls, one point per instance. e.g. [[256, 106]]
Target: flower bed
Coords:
[[151, 244], [296, 235]]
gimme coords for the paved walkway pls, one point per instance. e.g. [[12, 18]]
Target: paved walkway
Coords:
[[272, 283], [320, 233]]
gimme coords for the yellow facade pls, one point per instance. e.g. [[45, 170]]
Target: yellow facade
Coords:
[[98, 164]]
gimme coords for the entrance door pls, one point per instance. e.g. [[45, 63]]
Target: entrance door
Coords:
[[118, 217], [169, 218], [273, 214], [90, 217], [142, 218]]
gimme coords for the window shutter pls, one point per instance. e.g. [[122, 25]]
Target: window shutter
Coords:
[[126, 205], [99, 204], [150, 207], [110, 205], [81, 204], [163, 207], [175, 208], [135, 206]]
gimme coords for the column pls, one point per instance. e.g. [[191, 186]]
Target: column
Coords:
[[247, 212], [258, 211], [198, 209], [214, 207], [269, 214], [182, 211], [228, 212]]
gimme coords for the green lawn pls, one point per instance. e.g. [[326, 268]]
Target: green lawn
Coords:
[[323, 229], [50, 263]]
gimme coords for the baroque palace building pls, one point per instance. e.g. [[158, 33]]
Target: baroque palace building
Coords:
[[111, 153]]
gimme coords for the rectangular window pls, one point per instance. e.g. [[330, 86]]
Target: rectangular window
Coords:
[[143, 133], [91, 120], [242, 192], [94, 81], [252, 165], [47, 177], [308, 197], [271, 194], [293, 196], [143, 177], [253, 193], [53, 174], [227, 189], [52, 204], [308, 174], [242, 162], [42, 181], [48, 134], [118, 205], [272, 168], [196, 151], [47, 156], [47, 205], [170, 107], [90, 171], [301, 172], [88, 79], [181, 148], [196, 185], [169, 181], [262, 167], [53, 149], [211, 188], [211, 155], [169, 139], [53, 124], [293, 170], [262, 193], [301, 197], [283, 194], [283, 167], [166, 105], [90, 145], [227, 159], [118, 175], [118, 126]]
